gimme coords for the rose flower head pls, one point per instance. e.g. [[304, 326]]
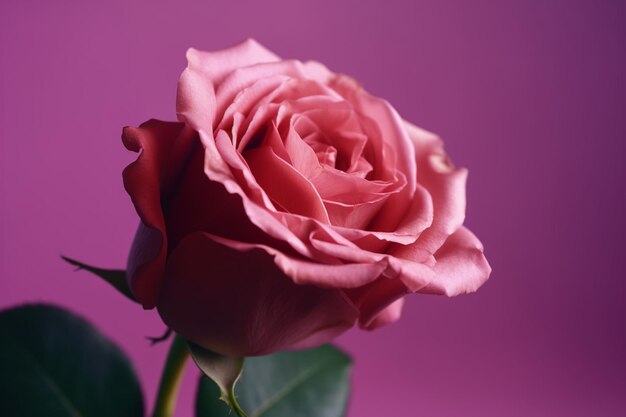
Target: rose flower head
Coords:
[[288, 204]]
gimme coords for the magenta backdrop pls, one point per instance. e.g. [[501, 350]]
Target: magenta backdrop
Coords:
[[529, 95]]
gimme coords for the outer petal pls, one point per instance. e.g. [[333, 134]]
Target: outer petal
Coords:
[[165, 146], [423, 140], [445, 183], [461, 265], [240, 79], [414, 276], [218, 64], [239, 303], [460, 268], [195, 98], [375, 298], [447, 189], [200, 204], [390, 314], [323, 275]]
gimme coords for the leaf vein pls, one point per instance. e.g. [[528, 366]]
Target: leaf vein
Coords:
[[47, 378], [282, 393]]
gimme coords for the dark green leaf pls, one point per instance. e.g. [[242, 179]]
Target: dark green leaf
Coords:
[[223, 370], [309, 383], [115, 277], [53, 363]]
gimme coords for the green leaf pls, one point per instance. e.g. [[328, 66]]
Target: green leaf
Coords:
[[223, 370], [53, 363], [115, 277], [309, 383]]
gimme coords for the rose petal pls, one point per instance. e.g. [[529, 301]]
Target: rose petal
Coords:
[[200, 204], [388, 315], [273, 140], [424, 141], [447, 189], [195, 100], [390, 130], [245, 100], [417, 218], [165, 147], [375, 298], [445, 184], [284, 185], [356, 216], [318, 71], [256, 203], [239, 303], [253, 79], [413, 275], [216, 65], [291, 97], [461, 265], [304, 272], [301, 155], [279, 225], [234, 168]]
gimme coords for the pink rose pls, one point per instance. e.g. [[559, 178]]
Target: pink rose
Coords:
[[287, 204]]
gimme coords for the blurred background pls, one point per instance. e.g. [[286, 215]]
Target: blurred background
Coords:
[[529, 95]]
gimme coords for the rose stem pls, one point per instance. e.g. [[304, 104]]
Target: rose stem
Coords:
[[171, 378]]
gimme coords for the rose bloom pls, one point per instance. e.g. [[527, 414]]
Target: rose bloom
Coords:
[[288, 204]]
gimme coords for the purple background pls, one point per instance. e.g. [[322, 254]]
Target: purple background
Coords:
[[529, 95]]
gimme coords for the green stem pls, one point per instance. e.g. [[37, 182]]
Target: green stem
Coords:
[[235, 404], [171, 378]]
